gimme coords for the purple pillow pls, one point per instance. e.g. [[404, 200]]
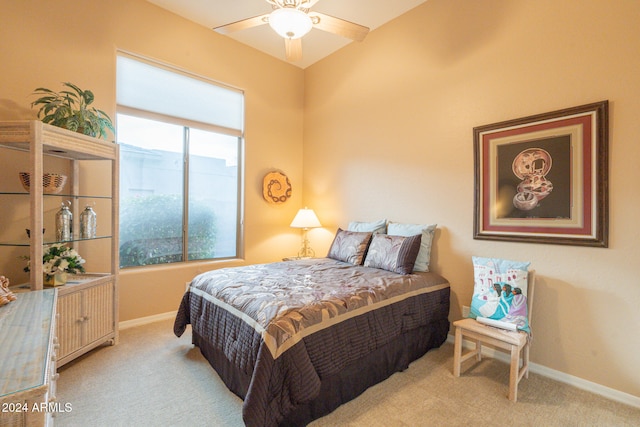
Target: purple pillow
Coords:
[[349, 246], [393, 253]]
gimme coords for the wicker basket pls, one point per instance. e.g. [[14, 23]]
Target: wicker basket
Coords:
[[52, 183]]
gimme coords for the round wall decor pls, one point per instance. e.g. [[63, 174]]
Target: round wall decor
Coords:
[[276, 187]]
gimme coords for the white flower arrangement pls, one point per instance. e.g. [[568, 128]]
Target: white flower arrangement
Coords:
[[59, 258]]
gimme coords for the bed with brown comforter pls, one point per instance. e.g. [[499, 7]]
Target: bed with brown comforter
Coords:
[[297, 339]]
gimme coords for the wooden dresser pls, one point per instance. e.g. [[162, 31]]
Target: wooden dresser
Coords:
[[28, 347]]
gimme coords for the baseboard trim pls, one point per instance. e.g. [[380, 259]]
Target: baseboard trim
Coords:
[[146, 320], [609, 393]]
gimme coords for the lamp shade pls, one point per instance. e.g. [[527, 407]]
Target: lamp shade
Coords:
[[290, 23], [305, 218]]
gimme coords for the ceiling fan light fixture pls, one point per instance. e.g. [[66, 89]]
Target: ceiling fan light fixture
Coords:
[[290, 23]]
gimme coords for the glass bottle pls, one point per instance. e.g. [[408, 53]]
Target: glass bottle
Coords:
[[64, 223], [88, 223]]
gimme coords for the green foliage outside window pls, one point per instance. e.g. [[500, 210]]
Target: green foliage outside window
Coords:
[[151, 230]]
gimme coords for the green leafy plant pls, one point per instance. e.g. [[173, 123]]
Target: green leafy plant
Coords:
[[69, 109], [151, 230]]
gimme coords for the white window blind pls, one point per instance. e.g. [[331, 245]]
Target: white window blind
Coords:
[[152, 88]]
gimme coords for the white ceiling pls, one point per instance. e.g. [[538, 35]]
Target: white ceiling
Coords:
[[315, 45]]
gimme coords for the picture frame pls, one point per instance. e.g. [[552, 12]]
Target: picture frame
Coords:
[[544, 178]]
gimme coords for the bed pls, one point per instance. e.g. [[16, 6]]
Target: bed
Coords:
[[296, 339]]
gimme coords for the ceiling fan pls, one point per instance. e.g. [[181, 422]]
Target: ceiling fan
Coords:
[[292, 19]]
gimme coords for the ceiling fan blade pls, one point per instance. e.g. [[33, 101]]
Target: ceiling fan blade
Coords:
[[293, 49], [298, 4], [309, 4], [339, 26], [243, 25]]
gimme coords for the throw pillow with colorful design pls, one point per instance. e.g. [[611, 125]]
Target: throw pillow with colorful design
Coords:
[[500, 291]]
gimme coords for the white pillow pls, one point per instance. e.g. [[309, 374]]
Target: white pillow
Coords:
[[427, 230], [374, 227]]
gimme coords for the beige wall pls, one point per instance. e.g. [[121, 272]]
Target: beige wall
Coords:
[[388, 134], [44, 43]]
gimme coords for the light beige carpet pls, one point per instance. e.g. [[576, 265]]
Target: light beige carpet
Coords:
[[152, 378]]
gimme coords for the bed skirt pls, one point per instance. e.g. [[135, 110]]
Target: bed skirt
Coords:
[[353, 379]]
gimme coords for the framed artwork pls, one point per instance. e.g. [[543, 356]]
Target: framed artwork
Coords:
[[544, 178]]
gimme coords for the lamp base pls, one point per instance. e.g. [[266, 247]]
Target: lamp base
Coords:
[[305, 250]]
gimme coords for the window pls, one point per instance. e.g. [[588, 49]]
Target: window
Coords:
[[180, 166]]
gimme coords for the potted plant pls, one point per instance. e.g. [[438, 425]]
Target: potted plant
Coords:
[[57, 261], [70, 109]]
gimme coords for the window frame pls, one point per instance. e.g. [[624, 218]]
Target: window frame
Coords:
[[187, 124]]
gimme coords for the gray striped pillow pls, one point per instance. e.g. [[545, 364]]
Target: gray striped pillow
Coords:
[[393, 253]]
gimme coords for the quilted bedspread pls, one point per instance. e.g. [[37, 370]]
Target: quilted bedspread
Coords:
[[285, 326]]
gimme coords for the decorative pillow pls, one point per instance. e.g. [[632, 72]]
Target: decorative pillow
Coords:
[[427, 230], [349, 246], [393, 253], [500, 291], [374, 227]]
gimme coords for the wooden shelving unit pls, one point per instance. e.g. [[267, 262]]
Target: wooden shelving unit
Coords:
[[87, 304]]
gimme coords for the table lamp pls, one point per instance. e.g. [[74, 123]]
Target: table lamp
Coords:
[[305, 219]]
